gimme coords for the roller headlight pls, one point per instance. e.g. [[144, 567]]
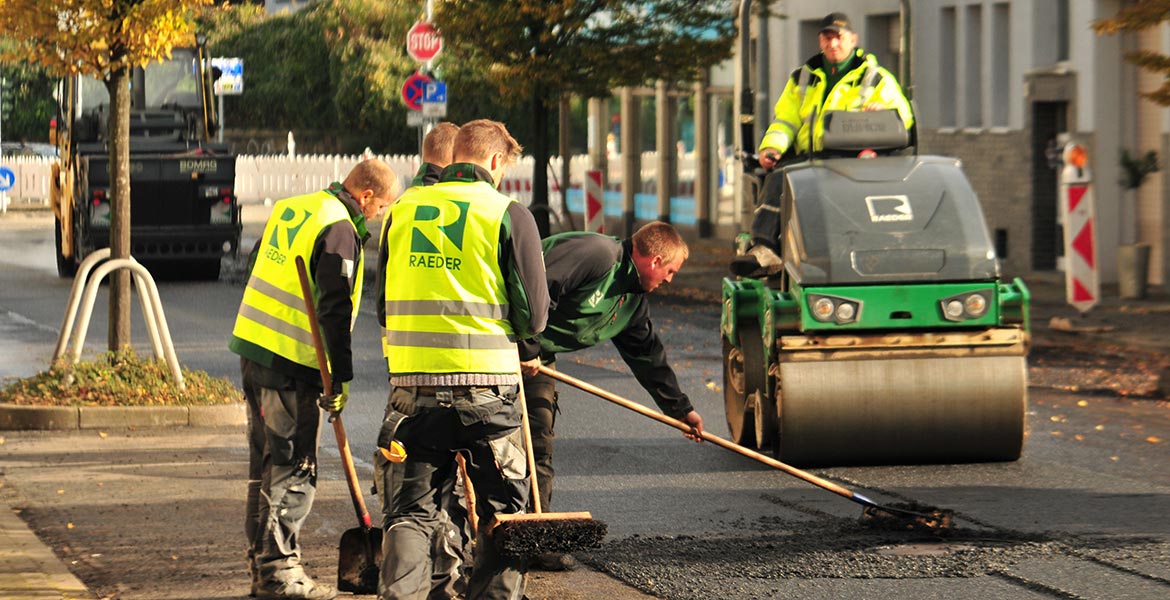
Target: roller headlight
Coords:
[[975, 305], [962, 307], [834, 309], [823, 309], [954, 310]]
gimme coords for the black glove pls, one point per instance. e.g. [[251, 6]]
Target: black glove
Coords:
[[335, 402]]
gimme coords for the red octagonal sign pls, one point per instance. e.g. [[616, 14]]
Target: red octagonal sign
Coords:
[[423, 41]]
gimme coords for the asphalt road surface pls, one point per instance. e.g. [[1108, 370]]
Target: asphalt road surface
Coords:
[[1084, 514]]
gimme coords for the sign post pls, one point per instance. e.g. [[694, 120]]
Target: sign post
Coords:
[[423, 44], [230, 82], [1079, 212]]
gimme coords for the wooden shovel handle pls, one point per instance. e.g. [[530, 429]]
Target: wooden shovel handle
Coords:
[[351, 478], [710, 437], [468, 492]]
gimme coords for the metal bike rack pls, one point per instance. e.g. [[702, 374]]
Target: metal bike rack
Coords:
[[84, 294]]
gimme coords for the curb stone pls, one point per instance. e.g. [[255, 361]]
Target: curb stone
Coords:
[[18, 417]]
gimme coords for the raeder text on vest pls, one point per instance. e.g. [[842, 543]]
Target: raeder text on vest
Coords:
[[435, 261]]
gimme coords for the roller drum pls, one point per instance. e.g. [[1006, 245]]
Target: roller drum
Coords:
[[918, 410]]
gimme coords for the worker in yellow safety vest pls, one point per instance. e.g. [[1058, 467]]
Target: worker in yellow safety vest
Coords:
[[451, 550], [464, 282], [841, 77], [281, 380]]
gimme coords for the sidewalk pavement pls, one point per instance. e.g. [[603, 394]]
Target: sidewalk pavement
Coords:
[[195, 470]]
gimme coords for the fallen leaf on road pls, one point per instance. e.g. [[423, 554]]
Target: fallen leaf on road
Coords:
[[1082, 403], [60, 491], [1153, 439], [102, 434], [69, 525]]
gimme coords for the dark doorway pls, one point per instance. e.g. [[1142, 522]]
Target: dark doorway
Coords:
[[1048, 120]]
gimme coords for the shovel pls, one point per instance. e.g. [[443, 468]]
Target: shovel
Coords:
[[360, 556], [925, 519]]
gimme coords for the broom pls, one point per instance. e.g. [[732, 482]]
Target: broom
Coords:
[[529, 534], [902, 518]]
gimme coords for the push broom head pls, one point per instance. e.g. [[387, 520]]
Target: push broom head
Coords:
[[536, 533], [909, 517]]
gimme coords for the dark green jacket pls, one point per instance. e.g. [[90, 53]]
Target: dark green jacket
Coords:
[[595, 295]]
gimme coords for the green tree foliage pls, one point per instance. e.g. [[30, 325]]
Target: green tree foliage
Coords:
[[27, 102], [536, 51], [1136, 17]]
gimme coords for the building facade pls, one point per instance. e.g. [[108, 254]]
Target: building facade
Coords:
[[995, 82]]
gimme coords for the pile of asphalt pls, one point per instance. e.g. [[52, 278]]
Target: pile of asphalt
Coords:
[[766, 558]]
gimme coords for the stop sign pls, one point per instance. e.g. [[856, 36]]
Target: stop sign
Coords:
[[423, 41]]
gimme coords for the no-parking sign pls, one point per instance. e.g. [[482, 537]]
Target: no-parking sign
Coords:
[[414, 90]]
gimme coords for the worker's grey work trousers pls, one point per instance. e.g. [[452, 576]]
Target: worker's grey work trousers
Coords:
[[540, 395], [484, 425], [451, 546], [283, 424]]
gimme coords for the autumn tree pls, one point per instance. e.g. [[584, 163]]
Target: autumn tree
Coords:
[[1136, 17], [103, 39], [537, 52]]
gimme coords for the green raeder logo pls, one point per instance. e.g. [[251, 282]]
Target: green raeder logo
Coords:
[[431, 222]]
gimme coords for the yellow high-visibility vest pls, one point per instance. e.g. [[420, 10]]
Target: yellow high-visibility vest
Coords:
[[272, 313], [866, 84], [446, 306]]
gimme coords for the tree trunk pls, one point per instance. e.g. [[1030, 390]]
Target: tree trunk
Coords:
[[118, 139], [540, 150]]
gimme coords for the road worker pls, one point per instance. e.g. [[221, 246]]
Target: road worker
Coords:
[[281, 379]]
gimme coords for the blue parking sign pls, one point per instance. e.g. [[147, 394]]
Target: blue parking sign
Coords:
[[436, 92]]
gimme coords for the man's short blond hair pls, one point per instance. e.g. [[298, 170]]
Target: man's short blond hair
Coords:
[[439, 144], [477, 140], [660, 239], [375, 175]]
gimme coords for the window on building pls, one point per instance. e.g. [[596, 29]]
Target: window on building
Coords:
[[973, 66], [947, 77], [882, 37], [1000, 64], [1061, 30]]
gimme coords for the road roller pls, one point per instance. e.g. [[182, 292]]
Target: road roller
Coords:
[[883, 333]]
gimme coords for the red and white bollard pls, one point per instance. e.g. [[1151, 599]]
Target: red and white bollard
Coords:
[[594, 202]]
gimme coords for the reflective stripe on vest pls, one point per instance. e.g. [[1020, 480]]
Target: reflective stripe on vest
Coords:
[[272, 313], [446, 306]]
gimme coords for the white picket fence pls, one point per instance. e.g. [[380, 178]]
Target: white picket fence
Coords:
[[268, 177]]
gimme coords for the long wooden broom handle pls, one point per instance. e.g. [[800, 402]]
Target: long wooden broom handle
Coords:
[[710, 437], [351, 478], [528, 446]]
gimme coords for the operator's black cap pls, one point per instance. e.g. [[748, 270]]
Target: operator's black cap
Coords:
[[836, 22]]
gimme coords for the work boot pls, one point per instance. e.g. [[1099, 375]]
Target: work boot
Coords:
[[299, 589], [552, 561]]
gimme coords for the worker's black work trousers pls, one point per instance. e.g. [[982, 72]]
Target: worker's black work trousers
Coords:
[[283, 425], [484, 425]]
